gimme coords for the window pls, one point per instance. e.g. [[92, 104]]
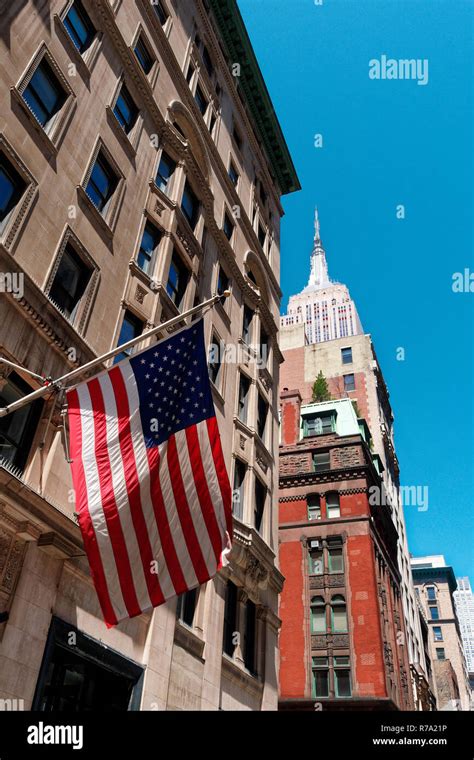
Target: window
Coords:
[[346, 355], [240, 471], [223, 282], [314, 507], [44, 95], [244, 388], [237, 137], [247, 325], [262, 235], [160, 11], [190, 205], [190, 73], [230, 619], [338, 614], [260, 497], [186, 606], [434, 612], [318, 424], [320, 677], [342, 676], [321, 461], [228, 226], [250, 638], [17, 430], [132, 327], [178, 278], [333, 508], [69, 282], [431, 593], [12, 187], [125, 110], [165, 173], [86, 677], [316, 562], [349, 383], [206, 58], [437, 633], [102, 183], [233, 174], [264, 346], [150, 241], [201, 100], [262, 413], [215, 363], [440, 653], [79, 26], [335, 560], [318, 615], [143, 56]]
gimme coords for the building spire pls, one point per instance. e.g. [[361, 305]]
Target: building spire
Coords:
[[318, 277], [316, 225]]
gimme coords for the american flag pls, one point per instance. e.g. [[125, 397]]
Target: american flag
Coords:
[[152, 493]]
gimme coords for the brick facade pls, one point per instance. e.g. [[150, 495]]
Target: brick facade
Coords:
[[370, 643]]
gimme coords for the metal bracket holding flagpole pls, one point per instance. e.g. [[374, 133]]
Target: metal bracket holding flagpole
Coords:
[[58, 385]]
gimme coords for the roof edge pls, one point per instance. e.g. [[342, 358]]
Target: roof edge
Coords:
[[238, 47]]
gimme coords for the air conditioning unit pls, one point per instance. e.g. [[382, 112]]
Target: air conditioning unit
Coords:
[[315, 544]]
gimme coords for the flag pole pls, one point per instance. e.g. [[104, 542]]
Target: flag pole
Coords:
[[57, 385]]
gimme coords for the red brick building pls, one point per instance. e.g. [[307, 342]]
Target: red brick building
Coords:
[[343, 640]]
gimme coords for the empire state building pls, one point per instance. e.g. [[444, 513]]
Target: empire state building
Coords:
[[324, 307]]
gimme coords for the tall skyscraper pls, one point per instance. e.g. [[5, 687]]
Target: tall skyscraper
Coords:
[[324, 307], [351, 368], [126, 144], [464, 601]]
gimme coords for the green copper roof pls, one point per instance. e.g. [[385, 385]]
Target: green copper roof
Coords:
[[238, 49]]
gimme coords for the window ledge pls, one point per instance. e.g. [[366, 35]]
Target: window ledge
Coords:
[[105, 227], [44, 137], [84, 63], [185, 637], [149, 80], [241, 675]]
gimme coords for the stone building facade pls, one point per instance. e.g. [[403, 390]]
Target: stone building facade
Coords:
[[142, 166], [343, 638], [435, 585], [352, 370]]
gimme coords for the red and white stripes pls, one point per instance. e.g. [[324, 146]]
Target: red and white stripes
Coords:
[[154, 520]]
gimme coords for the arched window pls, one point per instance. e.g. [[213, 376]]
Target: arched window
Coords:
[[333, 508], [338, 614], [318, 615]]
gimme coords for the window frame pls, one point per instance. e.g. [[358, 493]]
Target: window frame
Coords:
[[32, 417], [322, 466], [346, 383], [86, 20], [83, 308], [343, 356], [333, 506], [178, 294], [56, 126], [152, 258], [168, 188], [12, 223], [127, 353], [107, 220]]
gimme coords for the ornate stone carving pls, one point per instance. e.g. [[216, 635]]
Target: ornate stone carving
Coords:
[[140, 294]]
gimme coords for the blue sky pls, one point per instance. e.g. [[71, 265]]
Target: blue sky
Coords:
[[389, 142]]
